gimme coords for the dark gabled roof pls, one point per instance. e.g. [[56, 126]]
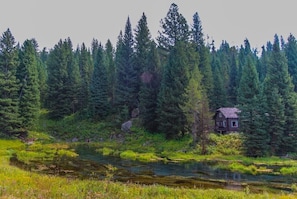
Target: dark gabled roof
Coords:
[[229, 112]]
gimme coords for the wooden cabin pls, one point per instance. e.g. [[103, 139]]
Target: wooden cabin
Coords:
[[226, 120]]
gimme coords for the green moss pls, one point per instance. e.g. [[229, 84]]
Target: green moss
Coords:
[[131, 155], [289, 171]]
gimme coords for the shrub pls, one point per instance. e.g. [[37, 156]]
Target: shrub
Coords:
[[128, 155], [230, 144], [288, 170]]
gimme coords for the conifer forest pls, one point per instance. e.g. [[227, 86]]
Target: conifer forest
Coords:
[[173, 83]]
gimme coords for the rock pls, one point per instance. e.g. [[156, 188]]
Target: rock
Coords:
[[135, 113], [126, 126]]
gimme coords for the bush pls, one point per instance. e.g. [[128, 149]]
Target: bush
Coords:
[[230, 144], [288, 170], [131, 155]]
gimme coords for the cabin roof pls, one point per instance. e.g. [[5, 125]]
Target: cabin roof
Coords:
[[229, 112]]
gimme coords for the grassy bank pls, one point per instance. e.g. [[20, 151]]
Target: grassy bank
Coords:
[[226, 151], [52, 138], [16, 183]]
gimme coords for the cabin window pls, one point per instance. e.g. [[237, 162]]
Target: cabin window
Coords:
[[224, 123], [234, 123], [220, 114]]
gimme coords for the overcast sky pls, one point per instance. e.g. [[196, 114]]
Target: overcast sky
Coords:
[[82, 20]]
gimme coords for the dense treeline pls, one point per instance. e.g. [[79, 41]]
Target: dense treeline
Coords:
[[174, 83]]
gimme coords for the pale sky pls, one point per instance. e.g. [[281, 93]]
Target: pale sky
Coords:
[[82, 20]]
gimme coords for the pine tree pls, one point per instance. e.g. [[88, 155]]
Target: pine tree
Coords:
[[147, 64], [9, 118], [94, 49], [278, 78], [74, 79], [171, 118], [142, 47], [197, 33], [274, 116], [219, 98], [42, 76], [175, 28], [63, 80], [250, 115], [99, 88], [111, 71], [196, 107], [233, 86], [263, 62], [126, 76], [85, 69], [204, 55], [29, 93], [149, 90], [291, 54], [205, 68]]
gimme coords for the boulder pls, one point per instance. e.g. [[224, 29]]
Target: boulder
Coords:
[[126, 126]]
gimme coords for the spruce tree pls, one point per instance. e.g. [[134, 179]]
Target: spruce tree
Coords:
[[74, 79], [274, 116], [111, 71], [174, 28], [291, 55], [85, 69], [126, 76], [63, 80], [171, 119], [150, 84], [233, 86], [197, 32], [42, 78], [219, 98], [142, 47], [29, 93], [263, 62], [204, 55], [99, 88], [251, 116], [9, 117], [278, 78]]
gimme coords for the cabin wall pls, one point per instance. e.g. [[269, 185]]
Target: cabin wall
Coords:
[[223, 124]]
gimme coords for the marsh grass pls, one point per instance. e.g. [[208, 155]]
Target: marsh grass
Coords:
[[16, 183]]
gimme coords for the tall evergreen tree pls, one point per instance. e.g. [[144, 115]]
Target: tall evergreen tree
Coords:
[[263, 62], [291, 54], [94, 49], [150, 79], [126, 82], [29, 93], [204, 55], [99, 88], [63, 80], [250, 115], [74, 79], [147, 64], [233, 86], [278, 78], [171, 98], [197, 32], [111, 69], [174, 28], [142, 47], [85, 69], [219, 98], [42, 77], [9, 118]]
